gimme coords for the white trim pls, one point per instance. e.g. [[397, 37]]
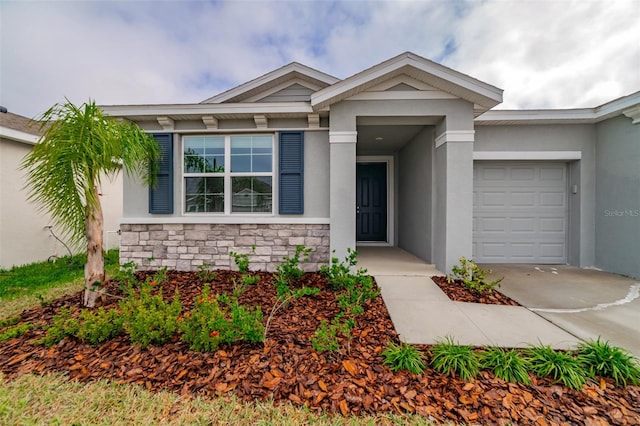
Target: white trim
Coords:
[[241, 131], [388, 159], [559, 116], [18, 136], [273, 75], [166, 123], [527, 155], [455, 136], [633, 114], [173, 110], [392, 82], [491, 95], [260, 220], [401, 95], [227, 175], [279, 87], [343, 137]]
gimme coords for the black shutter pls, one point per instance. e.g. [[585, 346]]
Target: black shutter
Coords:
[[161, 195], [291, 168]]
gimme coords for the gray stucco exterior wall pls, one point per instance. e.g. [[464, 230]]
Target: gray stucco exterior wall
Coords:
[[316, 182], [567, 137], [618, 196], [414, 195]]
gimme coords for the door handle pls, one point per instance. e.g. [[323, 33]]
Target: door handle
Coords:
[[357, 209]]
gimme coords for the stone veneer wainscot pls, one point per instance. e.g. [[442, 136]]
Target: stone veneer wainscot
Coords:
[[184, 247]]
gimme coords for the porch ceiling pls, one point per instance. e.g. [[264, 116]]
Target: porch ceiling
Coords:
[[394, 137]]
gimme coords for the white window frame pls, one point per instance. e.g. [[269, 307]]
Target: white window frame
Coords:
[[227, 175]]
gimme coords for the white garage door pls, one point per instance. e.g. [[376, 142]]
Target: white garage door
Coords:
[[520, 212]]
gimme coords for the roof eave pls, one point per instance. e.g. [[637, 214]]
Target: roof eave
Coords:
[[562, 116]]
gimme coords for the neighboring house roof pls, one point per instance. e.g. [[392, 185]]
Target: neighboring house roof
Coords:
[[483, 95], [19, 128], [293, 73], [628, 105]]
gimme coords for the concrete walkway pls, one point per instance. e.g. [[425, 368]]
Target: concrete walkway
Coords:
[[422, 313]]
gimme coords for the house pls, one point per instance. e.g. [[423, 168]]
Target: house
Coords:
[[26, 234], [407, 153]]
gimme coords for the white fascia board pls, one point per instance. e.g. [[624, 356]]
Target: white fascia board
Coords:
[[18, 136], [407, 59], [273, 75], [582, 115], [207, 109], [527, 155], [283, 86], [261, 220]]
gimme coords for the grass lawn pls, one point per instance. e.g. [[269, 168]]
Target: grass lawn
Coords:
[[23, 287], [53, 399]]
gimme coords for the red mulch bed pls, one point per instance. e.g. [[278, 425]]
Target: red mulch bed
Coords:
[[286, 368], [457, 292]]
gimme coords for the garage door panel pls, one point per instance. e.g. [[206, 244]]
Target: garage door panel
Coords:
[[523, 199], [552, 199], [520, 212]]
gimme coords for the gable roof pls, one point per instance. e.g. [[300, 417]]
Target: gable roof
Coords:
[[483, 95], [19, 128], [291, 73]]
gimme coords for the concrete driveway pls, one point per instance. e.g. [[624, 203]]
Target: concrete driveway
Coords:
[[586, 303]]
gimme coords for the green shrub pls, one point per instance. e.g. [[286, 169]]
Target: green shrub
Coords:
[[126, 276], [558, 365], [7, 322], [339, 273], [473, 277], [509, 366], [601, 359], [201, 327], [205, 274], [214, 320], [160, 277], [289, 271], [63, 325], [148, 318], [249, 279], [326, 338], [403, 357], [98, 327], [449, 357], [15, 331], [242, 260]]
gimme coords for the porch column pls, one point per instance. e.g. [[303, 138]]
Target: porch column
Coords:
[[342, 193], [453, 233]]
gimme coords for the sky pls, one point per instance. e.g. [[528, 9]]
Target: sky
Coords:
[[543, 53]]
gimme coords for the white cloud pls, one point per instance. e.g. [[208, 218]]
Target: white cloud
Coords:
[[543, 53]]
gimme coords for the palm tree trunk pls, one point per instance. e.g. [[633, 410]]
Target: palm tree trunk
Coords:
[[94, 268]]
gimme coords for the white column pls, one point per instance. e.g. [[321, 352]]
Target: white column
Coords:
[[342, 193]]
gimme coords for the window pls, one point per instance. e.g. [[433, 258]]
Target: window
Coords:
[[228, 174]]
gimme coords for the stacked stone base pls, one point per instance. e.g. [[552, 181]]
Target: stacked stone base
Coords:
[[185, 247]]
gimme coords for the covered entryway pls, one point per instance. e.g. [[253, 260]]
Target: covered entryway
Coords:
[[371, 202], [520, 212]]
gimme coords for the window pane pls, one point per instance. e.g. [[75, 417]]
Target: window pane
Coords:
[[251, 194], [204, 154], [245, 151], [204, 194], [261, 163]]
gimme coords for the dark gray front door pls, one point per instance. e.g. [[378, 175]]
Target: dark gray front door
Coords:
[[371, 202]]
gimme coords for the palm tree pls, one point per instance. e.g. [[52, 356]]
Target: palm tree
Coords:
[[79, 147]]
